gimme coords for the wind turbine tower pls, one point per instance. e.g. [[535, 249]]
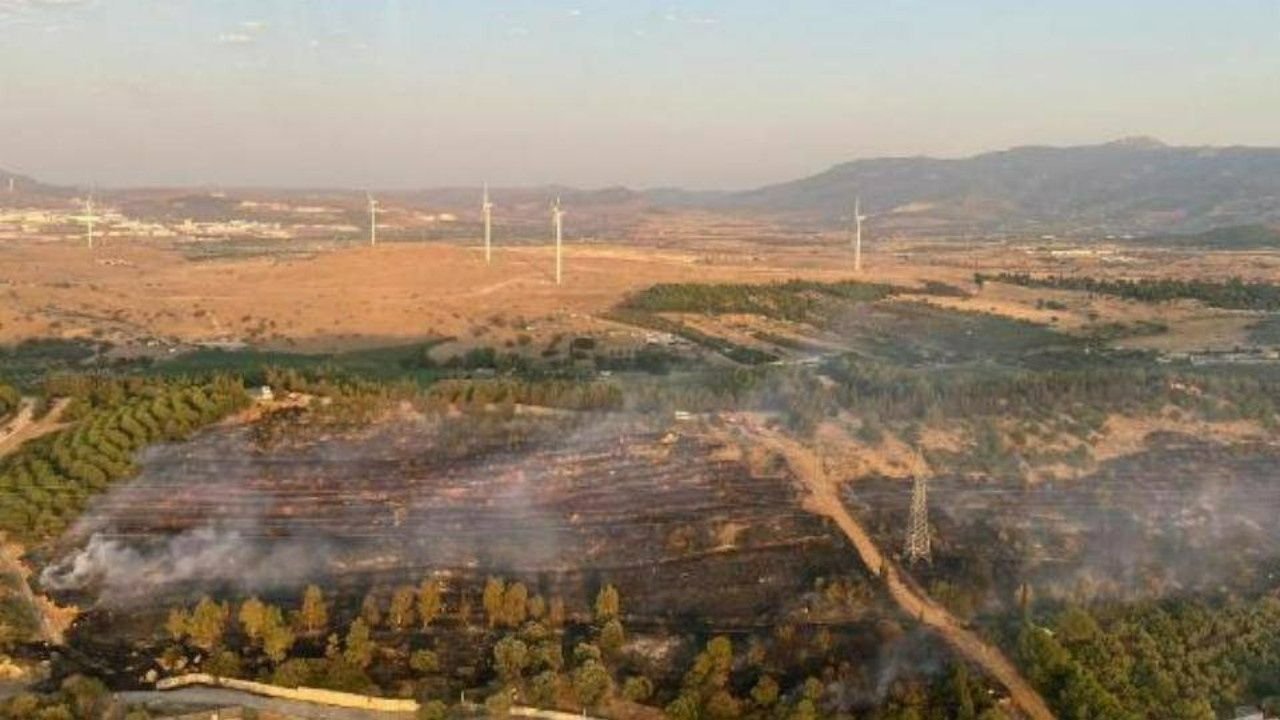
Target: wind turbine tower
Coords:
[[557, 218], [487, 210], [88, 219], [373, 221], [858, 217]]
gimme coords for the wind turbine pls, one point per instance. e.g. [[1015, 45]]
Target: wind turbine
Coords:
[[858, 217], [487, 209], [557, 218], [87, 217], [373, 219]]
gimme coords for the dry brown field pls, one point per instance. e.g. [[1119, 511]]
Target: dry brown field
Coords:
[[141, 296]]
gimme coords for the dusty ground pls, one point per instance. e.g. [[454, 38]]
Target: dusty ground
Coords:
[[357, 296]]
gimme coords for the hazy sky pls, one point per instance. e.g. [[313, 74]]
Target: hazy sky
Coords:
[[711, 93]]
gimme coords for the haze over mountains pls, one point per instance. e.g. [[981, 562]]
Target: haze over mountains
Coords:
[[1135, 186]]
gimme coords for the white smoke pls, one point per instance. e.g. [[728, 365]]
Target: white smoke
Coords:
[[124, 571]]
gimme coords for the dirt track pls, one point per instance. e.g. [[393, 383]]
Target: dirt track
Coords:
[[22, 428], [25, 427], [823, 499]]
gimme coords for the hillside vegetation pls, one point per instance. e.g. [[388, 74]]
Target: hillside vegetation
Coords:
[[1232, 294]]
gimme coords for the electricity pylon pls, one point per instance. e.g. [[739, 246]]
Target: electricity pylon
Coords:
[[917, 547]]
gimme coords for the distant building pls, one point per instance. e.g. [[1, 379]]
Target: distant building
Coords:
[[262, 394]]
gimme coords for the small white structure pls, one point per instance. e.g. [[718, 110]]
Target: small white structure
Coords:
[[262, 394]]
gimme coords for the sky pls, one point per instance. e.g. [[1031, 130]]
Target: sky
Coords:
[[713, 94]]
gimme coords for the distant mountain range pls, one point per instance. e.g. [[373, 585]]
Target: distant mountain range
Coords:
[[1136, 186]]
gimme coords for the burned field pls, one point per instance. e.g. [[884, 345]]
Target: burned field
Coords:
[[682, 527], [1182, 517]]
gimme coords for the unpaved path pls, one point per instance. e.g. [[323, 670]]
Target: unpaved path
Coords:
[[21, 429], [24, 426], [823, 499]]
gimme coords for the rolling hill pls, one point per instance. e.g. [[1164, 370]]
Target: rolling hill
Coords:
[[1138, 186]]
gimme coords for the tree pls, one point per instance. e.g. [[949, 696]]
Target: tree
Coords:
[[537, 607], [612, 637], [555, 613], [515, 604], [591, 683], [961, 694], [510, 658], [359, 648], [314, 614], [277, 636], [208, 622], [429, 602], [370, 611], [637, 688], [498, 704], [177, 623], [607, 604], [400, 615], [252, 618], [424, 662], [544, 688], [765, 692], [492, 601]]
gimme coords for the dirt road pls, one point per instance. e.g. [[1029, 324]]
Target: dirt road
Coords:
[[24, 426], [824, 499]]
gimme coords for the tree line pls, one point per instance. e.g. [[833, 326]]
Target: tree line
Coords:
[[1232, 294], [792, 300], [1185, 659]]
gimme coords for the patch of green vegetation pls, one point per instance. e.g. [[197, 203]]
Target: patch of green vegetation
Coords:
[[793, 300], [1235, 237], [46, 483], [1233, 294], [1185, 659], [918, 334], [1266, 331], [28, 362], [396, 362], [734, 351]]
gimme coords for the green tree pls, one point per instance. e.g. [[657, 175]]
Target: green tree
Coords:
[[515, 604], [424, 662], [314, 613], [492, 601], [371, 610], [359, 647], [177, 624], [962, 706], [400, 614], [510, 658], [612, 637], [608, 604], [637, 688], [277, 636], [765, 692], [429, 602], [252, 617], [556, 613], [591, 683], [544, 689], [208, 623]]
